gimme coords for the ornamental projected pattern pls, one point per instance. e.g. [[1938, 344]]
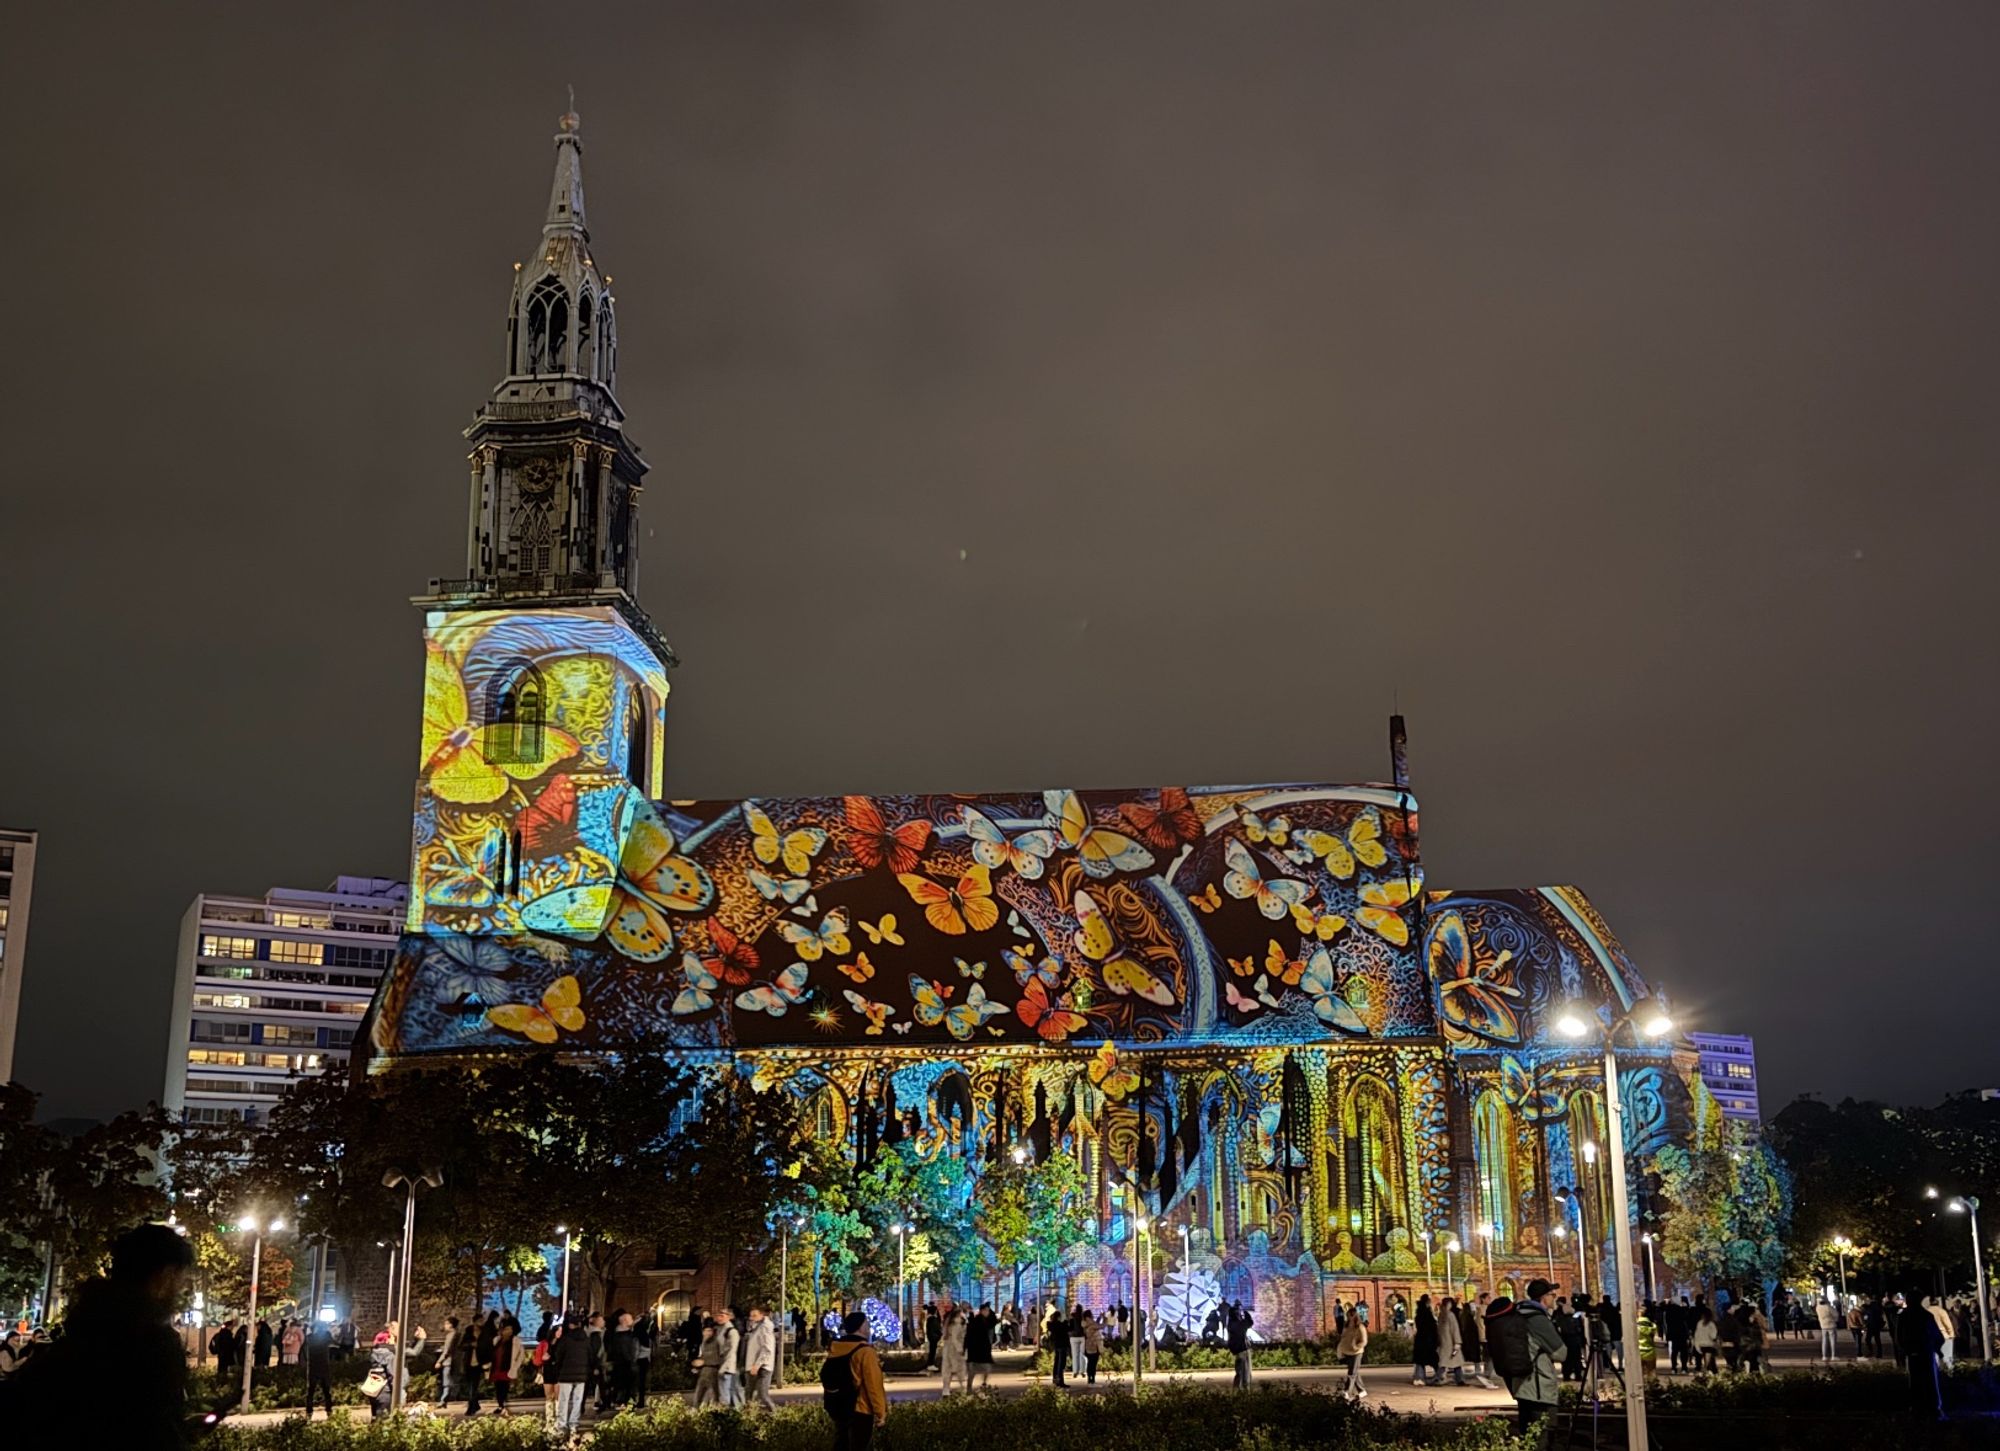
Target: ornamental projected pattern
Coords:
[[1237, 1007]]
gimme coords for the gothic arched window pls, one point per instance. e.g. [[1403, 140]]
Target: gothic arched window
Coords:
[[548, 326], [586, 357], [516, 716], [1376, 1189], [607, 344], [1493, 1143]]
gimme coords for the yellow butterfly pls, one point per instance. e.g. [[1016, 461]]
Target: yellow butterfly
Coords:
[[829, 937], [795, 848], [1383, 914], [1101, 850], [1243, 966], [883, 932], [861, 969], [560, 1008], [876, 1013], [1115, 1080], [475, 764], [959, 1021], [1277, 831], [1325, 926], [966, 906], [1286, 970], [1207, 900], [652, 881], [1125, 976], [1363, 844]]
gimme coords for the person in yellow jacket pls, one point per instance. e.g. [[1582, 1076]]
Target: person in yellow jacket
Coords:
[[1649, 1349], [851, 1385]]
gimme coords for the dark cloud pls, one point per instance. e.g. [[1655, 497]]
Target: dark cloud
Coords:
[[1611, 390]]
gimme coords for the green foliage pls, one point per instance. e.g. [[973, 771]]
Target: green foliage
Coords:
[[1732, 1201], [1384, 1348], [935, 1194], [1034, 1213]]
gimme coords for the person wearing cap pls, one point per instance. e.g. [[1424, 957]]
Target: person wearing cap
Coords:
[[1527, 1349]]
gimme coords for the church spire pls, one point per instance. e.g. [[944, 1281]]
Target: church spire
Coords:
[[566, 193]]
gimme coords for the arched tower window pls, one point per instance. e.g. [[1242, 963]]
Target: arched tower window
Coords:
[[548, 327], [607, 344], [639, 733], [1589, 1125], [1493, 1142], [586, 354], [517, 712]]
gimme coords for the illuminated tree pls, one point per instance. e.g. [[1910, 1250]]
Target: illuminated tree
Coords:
[[1732, 1201]]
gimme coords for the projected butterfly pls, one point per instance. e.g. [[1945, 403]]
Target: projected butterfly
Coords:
[[1245, 881], [560, 1008], [961, 1021], [1122, 974], [785, 991], [1530, 1092], [1112, 1078], [876, 843], [993, 849], [1170, 825], [472, 764], [965, 906], [1101, 850], [1474, 997], [1382, 904], [795, 849], [1319, 984], [876, 1013], [812, 942], [1362, 843], [699, 986]]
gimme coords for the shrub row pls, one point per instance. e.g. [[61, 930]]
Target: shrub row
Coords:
[[1383, 1349]]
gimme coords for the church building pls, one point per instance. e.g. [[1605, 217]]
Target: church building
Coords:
[[1242, 1011]]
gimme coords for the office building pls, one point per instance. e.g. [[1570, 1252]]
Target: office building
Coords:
[[17, 888], [270, 988], [1729, 1068]]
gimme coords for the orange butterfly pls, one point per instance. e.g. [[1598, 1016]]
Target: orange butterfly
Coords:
[[965, 906], [560, 1007], [1052, 1018], [861, 969], [1170, 825], [1109, 1075], [1209, 899], [874, 842], [1285, 970], [548, 824], [734, 959]]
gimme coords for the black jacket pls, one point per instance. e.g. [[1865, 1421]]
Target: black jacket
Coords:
[[1239, 1330], [117, 1377], [979, 1340], [569, 1359]]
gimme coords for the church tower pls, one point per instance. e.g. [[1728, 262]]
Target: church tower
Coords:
[[545, 684]]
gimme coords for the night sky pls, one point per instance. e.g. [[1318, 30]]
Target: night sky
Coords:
[[1053, 395]]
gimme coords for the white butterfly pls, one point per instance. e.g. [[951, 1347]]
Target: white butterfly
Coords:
[[772, 889], [698, 995], [1275, 898], [991, 848], [786, 991]]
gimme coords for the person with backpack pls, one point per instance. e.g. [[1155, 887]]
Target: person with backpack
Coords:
[[1525, 1347], [850, 1383]]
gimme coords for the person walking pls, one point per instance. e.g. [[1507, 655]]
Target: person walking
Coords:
[[1451, 1342], [1829, 1329], [760, 1359], [566, 1370], [597, 1389], [317, 1352], [1424, 1345], [506, 1340], [469, 1364], [933, 1334], [1472, 1319], [850, 1383], [261, 1347], [1946, 1328], [1055, 1335], [1751, 1337], [1093, 1346], [448, 1362], [1704, 1339], [1073, 1328], [1238, 1330], [1353, 1341], [1873, 1319], [979, 1349], [222, 1345], [645, 1332], [1918, 1340], [730, 1342], [951, 1349], [708, 1367], [1854, 1327], [621, 1355], [1525, 1344], [291, 1339]]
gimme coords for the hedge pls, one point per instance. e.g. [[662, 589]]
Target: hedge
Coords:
[[1383, 1349]]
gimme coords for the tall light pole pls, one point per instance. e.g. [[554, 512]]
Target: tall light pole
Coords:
[[902, 1300], [257, 1229], [1652, 1270], [1138, 1295], [1969, 1205], [785, 1228], [1646, 1019], [564, 1231], [1187, 1282], [1589, 1148], [1486, 1233], [1425, 1236], [1450, 1285], [1841, 1245], [1556, 1233], [399, 1373]]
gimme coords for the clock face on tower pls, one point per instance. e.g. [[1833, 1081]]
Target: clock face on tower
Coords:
[[538, 478]]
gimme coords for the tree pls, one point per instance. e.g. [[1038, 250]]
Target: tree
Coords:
[[935, 1194], [27, 1155], [1732, 1202], [728, 1166]]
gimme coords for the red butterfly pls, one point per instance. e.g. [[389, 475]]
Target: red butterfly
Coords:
[[874, 842], [1052, 1019], [548, 824], [734, 961], [1401, 828], [1171, 824]]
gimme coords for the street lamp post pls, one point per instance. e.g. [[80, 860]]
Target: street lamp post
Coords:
[[1652, 1270], [784, 1292], [1429, 1283], [255, 1228], [1450, 1285], [1486, 1233], [564, 1231], [1646, 1019], [1138, 1294], [902, 1300], [399, 1373], [1574, 1199], [1841, 1245], [1968, 1205], [1187, 1282]]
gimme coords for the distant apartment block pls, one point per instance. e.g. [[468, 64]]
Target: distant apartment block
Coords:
[[268, 989], [1729, 1068], [17, 888]]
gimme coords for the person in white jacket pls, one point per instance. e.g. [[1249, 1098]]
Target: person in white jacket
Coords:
[[760, 1358], [952, 1347], [1829, 1329]]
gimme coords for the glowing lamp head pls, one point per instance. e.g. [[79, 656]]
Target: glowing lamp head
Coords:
[[1452, 1244], [1572, 1023], [562, 1229], [1020, 1154], [1646, 1238], [1486, 1231], [248, 1224], [1956, 1206], [1589, 1151], [1930, 1191], [1656, 1022], [1560, 1232]]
